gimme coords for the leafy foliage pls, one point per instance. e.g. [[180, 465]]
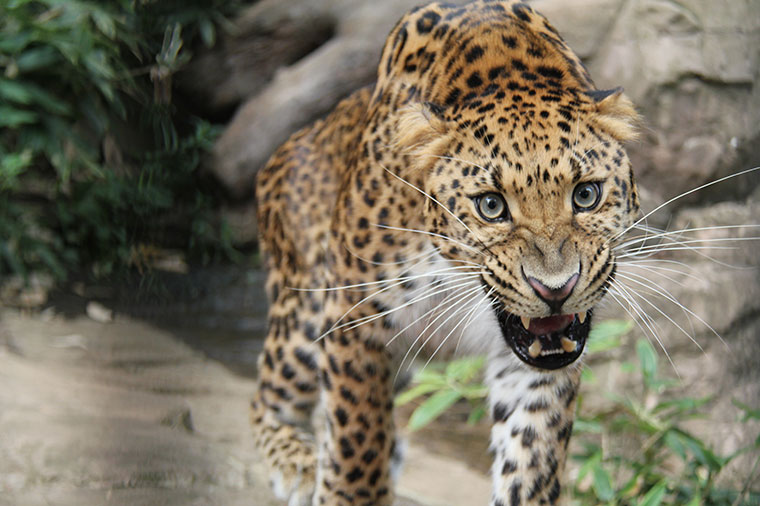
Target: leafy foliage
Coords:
[[670, 465], [95, 158]]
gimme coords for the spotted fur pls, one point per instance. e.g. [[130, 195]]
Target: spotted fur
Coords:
[[378, 253]]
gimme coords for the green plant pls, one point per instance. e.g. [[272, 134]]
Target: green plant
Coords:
[[663, 464], [96, 159], [445, 385]]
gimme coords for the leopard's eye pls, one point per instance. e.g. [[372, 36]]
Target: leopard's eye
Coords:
[[492, 207], [586, 196]]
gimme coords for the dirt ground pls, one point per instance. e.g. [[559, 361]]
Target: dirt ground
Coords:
[[128, 413]]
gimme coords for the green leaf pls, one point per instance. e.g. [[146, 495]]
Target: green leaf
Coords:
[[588, 376], [36, 58], [10, 117], [586, 426], [606, 335], [655, 495], [696, 500], [14, 91], [750, 413], [647, 359], [701, 453], [464, 369], [207, 31], [414, 392], [477, 414], [602, 483], [105, 23], [432, 408]]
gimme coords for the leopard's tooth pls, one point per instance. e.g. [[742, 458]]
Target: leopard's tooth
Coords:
[[582, 316], [525, 321], [568, 344], [534, 350]]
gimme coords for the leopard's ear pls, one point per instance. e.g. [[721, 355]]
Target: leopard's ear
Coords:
[[419, 125], [616, 113]]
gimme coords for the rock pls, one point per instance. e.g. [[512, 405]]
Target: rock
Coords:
[[691, 66], [304, 90], [98, 312]]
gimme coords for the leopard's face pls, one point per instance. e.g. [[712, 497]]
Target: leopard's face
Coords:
[[538, 210]]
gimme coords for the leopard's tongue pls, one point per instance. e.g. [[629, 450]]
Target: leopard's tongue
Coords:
[[550, 324]]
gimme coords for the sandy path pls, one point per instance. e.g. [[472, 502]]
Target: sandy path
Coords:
[[125, 413]]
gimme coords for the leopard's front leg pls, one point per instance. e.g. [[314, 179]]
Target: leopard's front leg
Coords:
[[533, 414], [357, 444]]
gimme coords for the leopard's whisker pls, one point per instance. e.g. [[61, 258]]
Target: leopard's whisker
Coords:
[[454, 328], [668, 234], [444, 304], [420, 256], [684, 194], [433, 234], [649, 251], [396, 281], [455, 159], [431, 291], [393, 285], [474, 316], [658, 271], [433, 199], [442, 309], [441, 314], [641, 314], [469, 295], [622, 289], [646, 282], [633, 294], [628, 307]]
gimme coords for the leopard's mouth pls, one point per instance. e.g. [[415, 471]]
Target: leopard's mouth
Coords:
[[547, 343]]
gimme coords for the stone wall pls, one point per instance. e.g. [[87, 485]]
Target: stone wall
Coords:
[[691, 66]]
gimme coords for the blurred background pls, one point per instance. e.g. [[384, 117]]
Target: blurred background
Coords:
[[130, 135]]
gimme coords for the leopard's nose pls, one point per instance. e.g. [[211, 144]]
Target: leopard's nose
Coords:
[[554, 297]]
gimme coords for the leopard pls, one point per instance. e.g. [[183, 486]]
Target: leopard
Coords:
[[467, 202]]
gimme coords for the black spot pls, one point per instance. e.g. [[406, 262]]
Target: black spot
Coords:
[[346, 449], [509, 41], [514, 494], [599, 95], [427, 22], [474, 54], [496, 72], [363, 223], [369, 456], [355, 474], [522, 12], [519, 65], [529, 436], [453, 96], [474, 80], [509, 467], [563, 126], [374, 477], [287, 371], [348, 395], [502, 412], [537, 405]]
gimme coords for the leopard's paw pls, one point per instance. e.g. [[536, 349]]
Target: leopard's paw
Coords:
[[294, 483]]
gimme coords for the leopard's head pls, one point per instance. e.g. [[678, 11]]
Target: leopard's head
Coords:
[[522, 160], [537, 201]]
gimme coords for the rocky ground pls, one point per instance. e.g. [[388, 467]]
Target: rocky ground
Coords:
[[123, 412]]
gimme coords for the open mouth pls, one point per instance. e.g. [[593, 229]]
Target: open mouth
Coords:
[[547, 343]]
